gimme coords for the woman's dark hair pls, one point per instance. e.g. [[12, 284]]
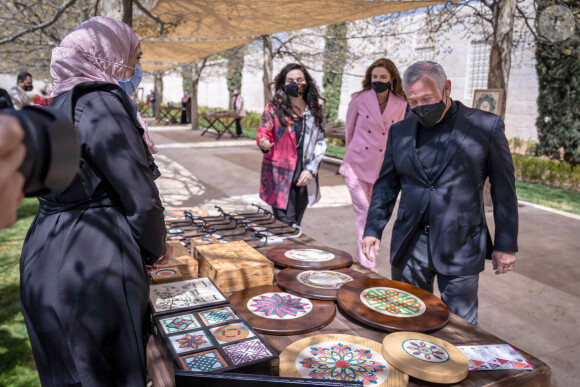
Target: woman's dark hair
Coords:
[[396, 83], [312, 97]]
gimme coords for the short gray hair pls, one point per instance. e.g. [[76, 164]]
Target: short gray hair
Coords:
[[424, 68]]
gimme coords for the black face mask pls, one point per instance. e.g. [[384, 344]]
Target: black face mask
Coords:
[[428, 115], [27, 88], [380, 87], [294, 89]]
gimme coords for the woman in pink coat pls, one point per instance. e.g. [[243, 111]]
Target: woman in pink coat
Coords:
[[371, 112], [291, 136]]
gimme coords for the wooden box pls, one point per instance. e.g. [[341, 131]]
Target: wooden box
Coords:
[[165, 274], [182, 259], [234, 266], [201, 241]]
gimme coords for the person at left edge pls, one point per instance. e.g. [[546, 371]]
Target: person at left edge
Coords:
[[84, 288], [292, 137]]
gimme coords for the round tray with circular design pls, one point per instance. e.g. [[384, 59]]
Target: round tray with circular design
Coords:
[[271, 310], [425, 357], [317, 284], [309, 257], [340, 357], [392, 305]]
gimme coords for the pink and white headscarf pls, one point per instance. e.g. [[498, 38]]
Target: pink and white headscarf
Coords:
[[85, 55]]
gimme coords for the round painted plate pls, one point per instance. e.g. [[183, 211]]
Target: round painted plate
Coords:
[[425, 357], [309, 257], [340, 357], [271, 310], [317, 284], [392, 305]]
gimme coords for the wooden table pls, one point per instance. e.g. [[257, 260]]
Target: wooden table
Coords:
[[171, 113], [226, 119], [457, 332]]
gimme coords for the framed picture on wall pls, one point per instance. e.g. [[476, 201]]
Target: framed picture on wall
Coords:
[[490, 100]]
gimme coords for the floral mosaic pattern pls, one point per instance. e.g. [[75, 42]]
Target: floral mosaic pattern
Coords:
[[204, 361], [392, 302], [179, 323], [323, 279], [342, 361], [246, 352], [279, 306], [187, 342], [309, 255], [426, 351]]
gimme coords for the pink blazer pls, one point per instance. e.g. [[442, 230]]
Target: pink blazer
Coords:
[[366, 134]]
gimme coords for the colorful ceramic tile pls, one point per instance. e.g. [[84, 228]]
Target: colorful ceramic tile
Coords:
[[190, 341], [181, 323], [324, 279], [342, 361], [184, 294], [246, 352], [218, 316], [392, 302], [309, 255], [203, 362], [175, 231], [279, 305], [426, 351], [231, 332]]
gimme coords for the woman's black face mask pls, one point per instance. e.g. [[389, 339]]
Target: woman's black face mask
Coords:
[[294, 89]]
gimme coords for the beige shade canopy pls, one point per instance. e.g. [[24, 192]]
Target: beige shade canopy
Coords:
[[216, 25]]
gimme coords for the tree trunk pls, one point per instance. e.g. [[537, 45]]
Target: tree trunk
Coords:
[[235, 66], [500, 58], [196, 70], [333, 65], [158, 88], [268, 67], [128, 12]]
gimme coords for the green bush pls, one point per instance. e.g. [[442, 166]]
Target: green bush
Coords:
[[252, 119], [551, 172]]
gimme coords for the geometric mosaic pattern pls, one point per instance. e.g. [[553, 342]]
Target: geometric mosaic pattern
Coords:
[[217, 316], [204, 361], [342, 361], [232, 332], [392, 302], [179, 323], [246, 352], [426, 351], [279, 306], [192, 341]]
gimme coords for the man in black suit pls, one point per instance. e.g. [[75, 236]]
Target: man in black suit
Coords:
[[439, 157]]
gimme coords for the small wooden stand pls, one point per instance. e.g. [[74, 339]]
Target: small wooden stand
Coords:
[[288, 279]]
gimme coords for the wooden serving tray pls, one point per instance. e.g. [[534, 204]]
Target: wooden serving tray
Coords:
[[392, 305], [340, 357], [317, 284], [425, 357], [309, 257], [270, 310]]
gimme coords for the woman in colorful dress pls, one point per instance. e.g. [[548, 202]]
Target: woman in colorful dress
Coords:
[[370, 114], [292, 137]]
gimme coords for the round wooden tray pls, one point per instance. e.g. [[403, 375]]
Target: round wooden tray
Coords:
[[323, 258], [425, 357], [313, 284], [403, 313], [334, 357], [276, 312]]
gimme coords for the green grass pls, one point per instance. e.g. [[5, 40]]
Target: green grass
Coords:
[[545, 195], [17, 367]]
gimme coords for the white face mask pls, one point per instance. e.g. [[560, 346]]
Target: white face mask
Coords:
[[130, 85]]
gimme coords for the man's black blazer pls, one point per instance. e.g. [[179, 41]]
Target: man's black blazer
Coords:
[[458, 237]]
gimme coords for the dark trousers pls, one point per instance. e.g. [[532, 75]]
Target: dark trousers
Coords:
[[459, 293], [297, 203], [239, 126]]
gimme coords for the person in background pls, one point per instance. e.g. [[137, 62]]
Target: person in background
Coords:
[[438, 158], [18, 92], [84, 287], [292, 137], [186, 103], [43, 97], [239, 111], [370, 114], [153, 100]]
